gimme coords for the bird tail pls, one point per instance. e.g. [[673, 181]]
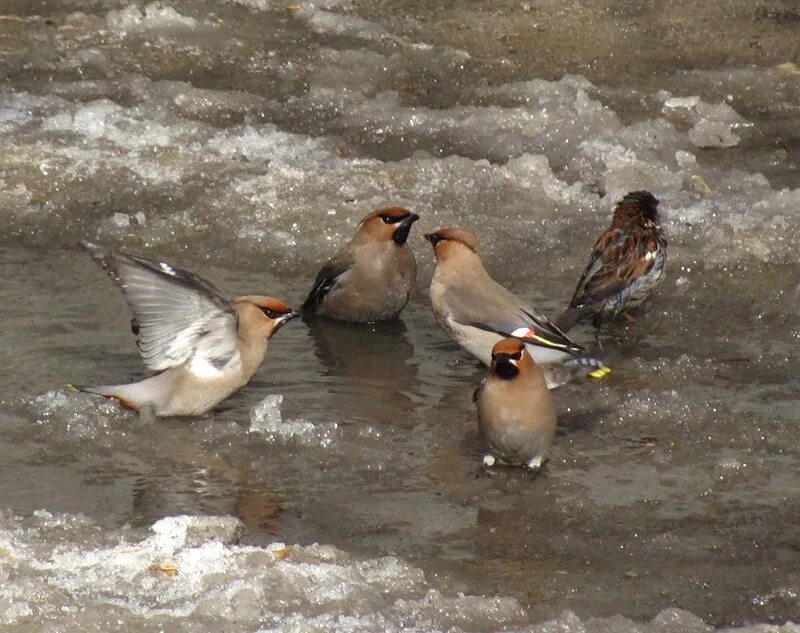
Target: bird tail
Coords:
[[112, 392], [594, 368]]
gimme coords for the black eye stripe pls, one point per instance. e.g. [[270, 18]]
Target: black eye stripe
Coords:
[[517, 356], [392, 219], [273, 314]]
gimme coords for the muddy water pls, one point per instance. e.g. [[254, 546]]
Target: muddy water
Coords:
[[251, 136]]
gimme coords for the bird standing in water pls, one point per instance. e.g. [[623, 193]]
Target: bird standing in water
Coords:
[[204, 346], [477, 311], [516, 416], [372, 276], [626, 264]]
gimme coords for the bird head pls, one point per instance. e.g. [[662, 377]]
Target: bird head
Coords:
[[392, 223], [446, 241], [274, 311], [636, 207], [509, 358]]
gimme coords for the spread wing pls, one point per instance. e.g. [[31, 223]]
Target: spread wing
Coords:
[[501, 312], [618, 259], [177, 316], [332, 274]]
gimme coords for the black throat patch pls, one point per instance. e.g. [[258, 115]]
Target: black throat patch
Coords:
[[505, 369], [401, 233]]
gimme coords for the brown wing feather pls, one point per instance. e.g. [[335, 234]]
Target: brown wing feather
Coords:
[[618, 258]]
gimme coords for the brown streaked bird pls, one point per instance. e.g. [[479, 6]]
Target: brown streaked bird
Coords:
[[203, 346], [372, 276], [477, 311], [626, 264], [516, 416]]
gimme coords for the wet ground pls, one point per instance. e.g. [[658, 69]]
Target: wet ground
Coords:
[[244, 140]]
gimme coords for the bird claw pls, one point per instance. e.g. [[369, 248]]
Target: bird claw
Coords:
[[536, 463]]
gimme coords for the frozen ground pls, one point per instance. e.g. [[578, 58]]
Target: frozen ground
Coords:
[[244, 139]]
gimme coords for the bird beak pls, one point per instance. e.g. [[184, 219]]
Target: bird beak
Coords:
[[278, 323], [400, 234], [432, 238]]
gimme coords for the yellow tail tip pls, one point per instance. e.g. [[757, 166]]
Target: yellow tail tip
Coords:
[[600, 372]]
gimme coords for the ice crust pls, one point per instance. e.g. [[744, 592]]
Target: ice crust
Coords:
[[154, 16], [188, 573], [533, 152]]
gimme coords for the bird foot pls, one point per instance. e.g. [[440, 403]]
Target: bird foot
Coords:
[[536, 463]]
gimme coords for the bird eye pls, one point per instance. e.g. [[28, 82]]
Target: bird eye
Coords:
[[388, 219], [273, 314], [517, 356]]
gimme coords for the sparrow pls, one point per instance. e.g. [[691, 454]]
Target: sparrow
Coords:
[[516, 416], [371, 277], [203, 346], [477, 311], [626, 264]]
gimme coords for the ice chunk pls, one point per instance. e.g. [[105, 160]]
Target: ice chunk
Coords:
[[79, 415], [678, 621], [272, 5], [625, 171], [323, 21], [267, 143], [708, 133], [266, 415], [712, 124], [682, 102], [85, 58], [156, 15], [121, 220], [172, 533], [265, 418]]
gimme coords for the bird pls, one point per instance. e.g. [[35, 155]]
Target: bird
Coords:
[[516, 417], [371, 277], [203, 346], [626, 264], [477, 311]]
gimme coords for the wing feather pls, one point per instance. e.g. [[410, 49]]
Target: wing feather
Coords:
[[177, 316], [327, 279], [500, 311], [618, 259]]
